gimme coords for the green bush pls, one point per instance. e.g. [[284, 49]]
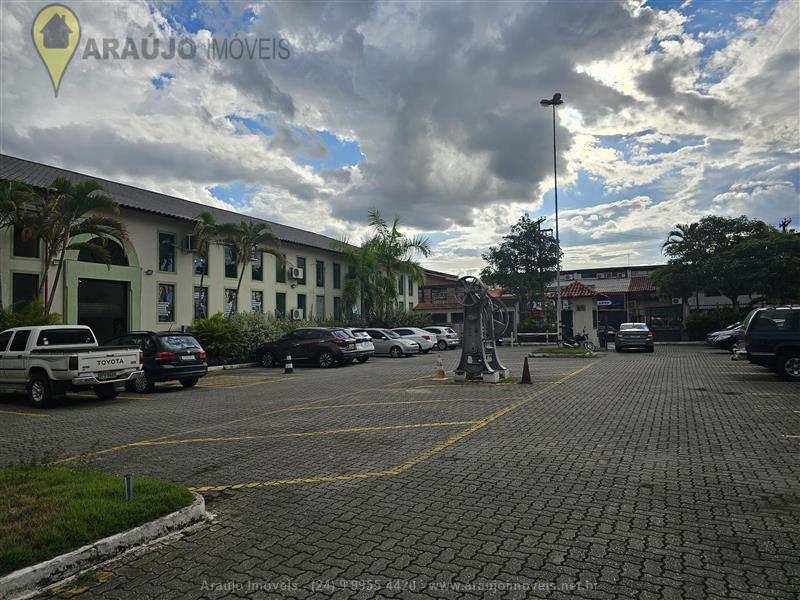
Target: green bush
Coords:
[[31, 314], [699, 324], [531, 325]]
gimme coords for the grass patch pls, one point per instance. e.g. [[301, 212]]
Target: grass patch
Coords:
[[47, 510], [560, 351]]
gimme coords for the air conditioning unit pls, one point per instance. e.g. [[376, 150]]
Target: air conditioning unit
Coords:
[[621, 275], [568, 277], [601, 276], [677, 301], [296, 314], [295, 272], [189, 243]]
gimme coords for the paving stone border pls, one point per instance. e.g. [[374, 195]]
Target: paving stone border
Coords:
[[27, 582]]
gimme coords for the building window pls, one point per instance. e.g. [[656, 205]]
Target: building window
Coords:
[[410, 306], [230, 302], [420, 295], [438, 295], [166, 303], [301, 264], [410, 286], [319, 308], [257, 267], [280, 305], [257, 301], [116, 252], [320, 271], [166, 252], [337, 276], [280, 269], [439, 318], [457, 317], [25, 248], [301, 304], [230, 261], [337, 307], [400, 286], [200, 263], [200, 302], [24, 287]]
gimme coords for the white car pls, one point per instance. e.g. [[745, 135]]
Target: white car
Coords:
[[388, 342], [425, 339], [446, 337]]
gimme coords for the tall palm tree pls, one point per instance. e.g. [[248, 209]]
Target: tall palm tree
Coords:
[[364, 280], [66, 211], [15, 202], [206, 231], [682, 241], [248, 238]]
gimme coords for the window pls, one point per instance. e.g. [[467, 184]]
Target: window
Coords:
[[20, 340], [320, 271], [400, 286], [24, 288], [319, 308], [280, 269], [257, 267], [301, 264], [200, 263], [166, 252], [301, 304], [337, 276], [410, 285], [457, 317], [410, 306], [230, 302], [65, 337], [166, 303], [438, 295], [337, 304], [280, 305], [4, 338], [200, 302], [439, 318], [116, 251], [257, 301], [420, 295], [230, 261], [25, 248]]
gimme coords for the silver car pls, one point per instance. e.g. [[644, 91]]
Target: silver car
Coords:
[[364, 346], [446, 337], [387, 342], [425, 339]]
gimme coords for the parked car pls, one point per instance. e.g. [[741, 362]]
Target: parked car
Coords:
[[387, 342], [323, 346], [446, 337], [634, 335], [727, 339], [772, 339], [714, 334], [48, 361], [364, 345], [168, 356], [425, 339]]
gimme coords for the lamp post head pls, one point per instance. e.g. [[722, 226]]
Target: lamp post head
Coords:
[[554, 101]]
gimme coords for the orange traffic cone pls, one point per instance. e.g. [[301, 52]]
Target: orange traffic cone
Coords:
[[526, 372]]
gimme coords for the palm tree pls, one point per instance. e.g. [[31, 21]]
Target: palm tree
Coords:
[[248, 238], [15, 201], [205, 232], [66, 211], [364, 281]]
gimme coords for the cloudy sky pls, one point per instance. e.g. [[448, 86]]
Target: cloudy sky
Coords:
[[430, 111]]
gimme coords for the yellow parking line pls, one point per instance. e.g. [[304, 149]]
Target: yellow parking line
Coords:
[[23, 414], [296, 481], [792, 437]]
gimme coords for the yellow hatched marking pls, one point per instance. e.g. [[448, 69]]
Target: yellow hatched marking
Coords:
[[18, 413]]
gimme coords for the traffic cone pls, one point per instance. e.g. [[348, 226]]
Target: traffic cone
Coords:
[[439, 369], [287, 366], [526, 372]]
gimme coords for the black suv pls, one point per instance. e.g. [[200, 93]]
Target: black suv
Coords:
[[772, 339], [168, 356], [324, 346]]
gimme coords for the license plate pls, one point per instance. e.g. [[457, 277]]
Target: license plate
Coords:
[[187, 357], [107, 375]]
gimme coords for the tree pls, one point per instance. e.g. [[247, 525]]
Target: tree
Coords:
[[15, 200], [676, 280], [206, 231], [68, 210], [247, 238], [772, 264], [524, 263]]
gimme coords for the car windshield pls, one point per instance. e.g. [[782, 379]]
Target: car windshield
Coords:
[[179, 342], [391, 334], [638, 326]]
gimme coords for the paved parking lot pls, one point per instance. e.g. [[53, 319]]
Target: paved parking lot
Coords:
[[666, 475]]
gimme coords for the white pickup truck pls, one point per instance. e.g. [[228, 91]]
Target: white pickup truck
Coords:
[[50, 360]]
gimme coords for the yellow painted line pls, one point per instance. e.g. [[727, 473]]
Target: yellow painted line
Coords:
[[792, 437], [22, 414], [399, 469], [296, 434], [396, 403]]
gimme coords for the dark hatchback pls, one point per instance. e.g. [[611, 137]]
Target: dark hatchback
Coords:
[[323, 346], [634, 335], [168, 356], [772, 339]]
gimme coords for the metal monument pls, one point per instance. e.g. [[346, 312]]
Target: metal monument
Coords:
[[485, 319]]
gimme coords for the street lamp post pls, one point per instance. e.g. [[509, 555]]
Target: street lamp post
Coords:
[[555, 101]]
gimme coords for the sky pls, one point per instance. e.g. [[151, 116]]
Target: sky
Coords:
[[429, 111]]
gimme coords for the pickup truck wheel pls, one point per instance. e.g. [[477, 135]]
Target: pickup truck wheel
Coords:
[[106, 391], [143, 384], [788, 365], [40, 390], [188, 382]]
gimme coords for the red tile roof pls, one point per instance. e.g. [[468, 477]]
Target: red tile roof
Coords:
[[641, 284], [576, 289]]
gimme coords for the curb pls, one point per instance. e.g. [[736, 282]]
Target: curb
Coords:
[[228, 367], [24, 582], [548, 355]]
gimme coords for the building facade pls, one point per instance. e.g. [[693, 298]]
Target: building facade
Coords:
[[154, 281]]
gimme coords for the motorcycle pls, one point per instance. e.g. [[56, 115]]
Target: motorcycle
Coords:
[[582, 339]]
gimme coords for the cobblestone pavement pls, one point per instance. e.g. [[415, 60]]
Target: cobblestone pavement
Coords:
[[665, 475]]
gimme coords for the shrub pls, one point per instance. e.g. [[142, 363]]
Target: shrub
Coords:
[[699, 324], [31, 314], [531, 325]]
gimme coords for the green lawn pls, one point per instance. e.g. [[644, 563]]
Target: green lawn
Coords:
[[46, 510], [561, 350]]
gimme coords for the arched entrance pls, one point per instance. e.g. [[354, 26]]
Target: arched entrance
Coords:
[[107, 299]]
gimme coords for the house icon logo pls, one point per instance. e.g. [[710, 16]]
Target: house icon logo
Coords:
[[56, 32]]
